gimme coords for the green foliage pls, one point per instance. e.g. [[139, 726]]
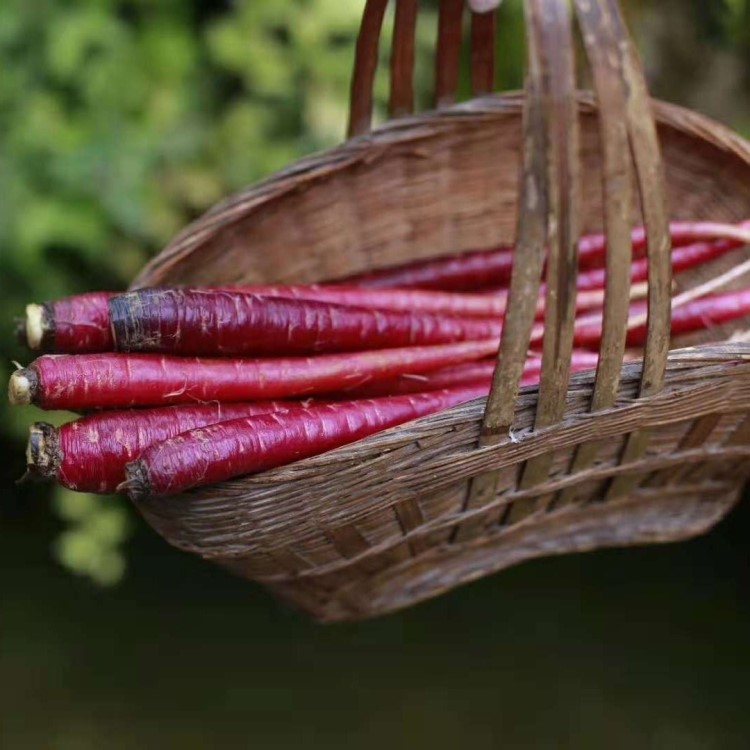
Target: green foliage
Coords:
[[92, 544]]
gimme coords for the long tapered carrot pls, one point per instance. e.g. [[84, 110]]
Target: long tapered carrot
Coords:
[[460, 304], [462, 375], [98, 381], [84, 321], [244, 446], [476, 269], [228, 323], [89, 454]]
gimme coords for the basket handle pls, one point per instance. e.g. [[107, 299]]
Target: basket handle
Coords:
[[447, 58], [549, 199], [626, 126], [547, 218]]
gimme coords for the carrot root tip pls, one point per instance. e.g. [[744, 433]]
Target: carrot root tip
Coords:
[[22, 387], [43, 455], [35, 326], [136, 483]]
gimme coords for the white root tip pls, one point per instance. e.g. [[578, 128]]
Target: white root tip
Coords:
[[19, 389], [34, 326]]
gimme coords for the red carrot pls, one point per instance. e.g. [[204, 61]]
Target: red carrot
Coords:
[[460, 304], [592, 248], [476, 269], [82, 324], [200, 322], [245, 446], [466, 271], [89, 454], [683, 258], [96, 381], [469, 373], [71, 324], [698, 314], [462, 375]]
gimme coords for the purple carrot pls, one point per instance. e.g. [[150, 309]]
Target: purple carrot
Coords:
[[696, 315], [89, 454], [683, 259], [227, 323], [477, 269], [459, 304], [101, 381], [246, 446]]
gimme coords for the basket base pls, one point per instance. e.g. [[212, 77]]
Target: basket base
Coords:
[[644, 517]]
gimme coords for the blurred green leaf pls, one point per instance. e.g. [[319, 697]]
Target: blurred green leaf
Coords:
[[91, 546]]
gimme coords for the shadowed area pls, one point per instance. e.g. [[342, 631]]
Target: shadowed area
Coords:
[[641, 647]]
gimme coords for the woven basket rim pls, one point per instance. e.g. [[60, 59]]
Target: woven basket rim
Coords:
[[313, 166]]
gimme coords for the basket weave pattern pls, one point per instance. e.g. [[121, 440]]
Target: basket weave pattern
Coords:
[[416, 510]]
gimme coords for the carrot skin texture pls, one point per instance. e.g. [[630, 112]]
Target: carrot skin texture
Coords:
[[228, 323], [245, 446], [476, 269], [469, 373], [683, 258], [464, 375], [83, 321], [78, 323], [463, 272], [696, 315], [98, 381], [459, 304], [89, 454]]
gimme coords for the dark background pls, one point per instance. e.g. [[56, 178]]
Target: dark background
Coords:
[[121, 121]]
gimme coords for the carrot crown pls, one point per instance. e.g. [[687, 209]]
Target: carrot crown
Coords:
[[23, 386], [43, 454], [136, 482]]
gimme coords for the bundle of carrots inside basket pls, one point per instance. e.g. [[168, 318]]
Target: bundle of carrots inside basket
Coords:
[[182, 387]]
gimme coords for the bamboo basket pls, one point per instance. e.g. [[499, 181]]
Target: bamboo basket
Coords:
[[652, 451]]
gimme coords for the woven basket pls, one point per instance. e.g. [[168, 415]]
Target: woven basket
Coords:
[[647, 452]]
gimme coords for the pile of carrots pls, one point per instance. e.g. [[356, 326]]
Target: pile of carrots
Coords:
[[183, 387]]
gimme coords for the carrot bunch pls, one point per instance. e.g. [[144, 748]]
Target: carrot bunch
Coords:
[[182, 387]]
